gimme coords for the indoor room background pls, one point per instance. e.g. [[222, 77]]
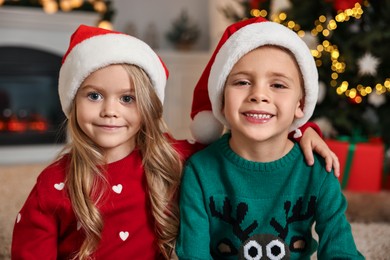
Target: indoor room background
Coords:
[[349, 41]]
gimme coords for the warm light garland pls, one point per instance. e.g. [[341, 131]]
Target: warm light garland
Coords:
[[324, 26], [53, 6]]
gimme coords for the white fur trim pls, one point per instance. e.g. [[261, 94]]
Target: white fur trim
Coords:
[[251, 37], [103, 50], [205, 128]]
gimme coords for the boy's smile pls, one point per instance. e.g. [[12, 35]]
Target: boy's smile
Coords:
[[263, 95], [257, 117]]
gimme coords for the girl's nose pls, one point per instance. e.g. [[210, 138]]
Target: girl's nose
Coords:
[[109, 108]]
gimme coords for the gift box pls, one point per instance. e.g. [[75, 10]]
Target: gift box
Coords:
[[361, 164]]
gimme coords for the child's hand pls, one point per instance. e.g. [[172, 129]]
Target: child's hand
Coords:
[[310, 142]]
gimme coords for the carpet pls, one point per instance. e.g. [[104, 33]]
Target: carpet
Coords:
[[369, 214]]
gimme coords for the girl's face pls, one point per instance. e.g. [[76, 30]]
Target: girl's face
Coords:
[[107, 111], [263, 95]]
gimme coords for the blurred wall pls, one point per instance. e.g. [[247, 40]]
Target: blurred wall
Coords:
[[138, 15]]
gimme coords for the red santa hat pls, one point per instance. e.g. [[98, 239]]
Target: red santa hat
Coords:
[[93, 48], [238, 39]]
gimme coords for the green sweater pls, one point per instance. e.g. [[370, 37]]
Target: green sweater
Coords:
[[233, 207]]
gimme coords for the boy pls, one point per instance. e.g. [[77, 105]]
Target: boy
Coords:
[[250, 194]]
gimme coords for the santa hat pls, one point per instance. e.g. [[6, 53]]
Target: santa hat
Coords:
[[237, 40], [93, 48]]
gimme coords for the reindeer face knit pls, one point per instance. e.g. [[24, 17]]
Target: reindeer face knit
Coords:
[[232, 208]]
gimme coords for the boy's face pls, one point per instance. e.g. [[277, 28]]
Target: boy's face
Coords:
[[107, 111], [263, 94]]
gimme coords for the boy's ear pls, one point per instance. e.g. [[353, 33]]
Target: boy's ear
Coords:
[[223, 103], [299, 109]]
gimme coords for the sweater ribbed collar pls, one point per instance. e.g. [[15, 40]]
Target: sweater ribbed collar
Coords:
[[229, 154]]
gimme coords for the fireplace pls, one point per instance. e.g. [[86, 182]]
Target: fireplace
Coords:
[[30, 111], [29, 107]]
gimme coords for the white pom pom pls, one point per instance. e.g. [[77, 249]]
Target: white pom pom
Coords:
[[205, 128], [321, 92]]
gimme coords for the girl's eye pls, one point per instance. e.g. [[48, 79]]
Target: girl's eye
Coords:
[[94, 96], [127, 99]]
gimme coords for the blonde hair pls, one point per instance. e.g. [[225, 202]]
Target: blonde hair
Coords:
[[86, 182]]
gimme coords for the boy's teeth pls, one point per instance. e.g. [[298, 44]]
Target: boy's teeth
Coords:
[[259, 116]]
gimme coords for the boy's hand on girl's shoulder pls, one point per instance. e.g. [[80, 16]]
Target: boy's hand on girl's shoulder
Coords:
[[310, 142]]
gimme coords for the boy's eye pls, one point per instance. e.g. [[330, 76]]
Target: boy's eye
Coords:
[[277, 85], [94, 96], [242, 83], [127, 99]]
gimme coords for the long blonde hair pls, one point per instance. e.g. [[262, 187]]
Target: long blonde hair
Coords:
[[86, 182]]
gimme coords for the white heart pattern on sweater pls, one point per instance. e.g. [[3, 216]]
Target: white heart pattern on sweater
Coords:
[[117, 188], [59, 186], [123, 235], [18, 218]]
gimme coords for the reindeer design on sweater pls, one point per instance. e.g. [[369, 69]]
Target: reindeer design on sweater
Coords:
[[263, 246]]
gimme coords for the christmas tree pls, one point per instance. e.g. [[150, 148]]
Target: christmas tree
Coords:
[[184, 32], [349, 40]]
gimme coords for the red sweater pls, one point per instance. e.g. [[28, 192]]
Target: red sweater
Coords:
[[46, 227]]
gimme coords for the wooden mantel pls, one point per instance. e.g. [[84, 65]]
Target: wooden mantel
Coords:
[[33, 27]]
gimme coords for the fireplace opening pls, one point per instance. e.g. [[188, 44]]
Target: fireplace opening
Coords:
[[30, 110]]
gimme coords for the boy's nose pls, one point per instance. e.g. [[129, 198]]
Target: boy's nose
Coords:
[[258, 94]]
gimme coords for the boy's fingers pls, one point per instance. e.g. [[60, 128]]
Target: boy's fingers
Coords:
[[336, 164], [329, 163], [308, 152], [332, 161]]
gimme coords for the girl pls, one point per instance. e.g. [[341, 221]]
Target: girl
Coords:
[[111, 194]]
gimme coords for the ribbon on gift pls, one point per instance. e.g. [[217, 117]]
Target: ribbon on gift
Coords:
[[352, 140], [348, 164]]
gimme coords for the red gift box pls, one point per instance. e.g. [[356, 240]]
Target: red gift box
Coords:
[[361, 164]]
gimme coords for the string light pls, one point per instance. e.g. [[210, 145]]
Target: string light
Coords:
[[105, 25], [53, 6], [66, 5], [258, 13], [50, 7], [325, 26], [99, 6], [76, 3]]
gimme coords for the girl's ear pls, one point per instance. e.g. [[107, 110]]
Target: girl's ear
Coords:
[[299, 109]]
